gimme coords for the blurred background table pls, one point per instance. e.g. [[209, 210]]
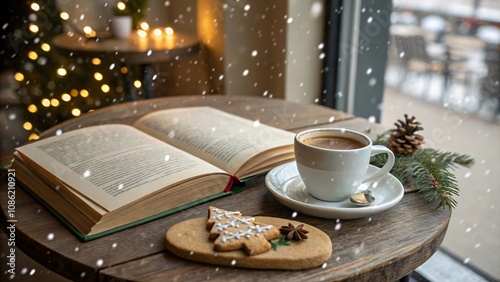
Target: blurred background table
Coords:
[[135, 50], [383, 247]]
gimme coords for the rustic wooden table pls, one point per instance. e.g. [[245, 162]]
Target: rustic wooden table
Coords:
[[383, 247], [134, 50]]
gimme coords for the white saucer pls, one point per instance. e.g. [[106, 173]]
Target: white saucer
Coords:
[[286, 185]]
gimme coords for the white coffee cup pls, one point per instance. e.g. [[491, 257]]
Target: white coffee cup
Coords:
[[334, 172]]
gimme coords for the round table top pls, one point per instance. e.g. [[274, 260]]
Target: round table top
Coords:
[[134, 49], [382, 247]]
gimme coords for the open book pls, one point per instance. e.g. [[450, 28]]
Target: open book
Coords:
[[106, 178]]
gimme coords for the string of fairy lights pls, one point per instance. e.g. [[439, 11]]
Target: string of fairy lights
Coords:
[[55, 101]]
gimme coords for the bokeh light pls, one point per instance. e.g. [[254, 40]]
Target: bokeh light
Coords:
[[98, 76], [121, 6], [32, 55], [62, 72], [35, 7], [84, 93], [32, 108], [46, 102], [66, 97], [64, 16], [19, 76], [45, 47], [105, 88], [33, 136], [54, 102], [96, 61], [34, 28], [27, 126], [76, 112]]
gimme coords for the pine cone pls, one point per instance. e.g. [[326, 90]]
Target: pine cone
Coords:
[[403, 140]]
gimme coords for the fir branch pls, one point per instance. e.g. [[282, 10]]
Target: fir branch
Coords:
[[438, 184], [382, 139], [427, 170]]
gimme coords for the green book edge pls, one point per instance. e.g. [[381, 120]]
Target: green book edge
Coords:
[[235, 189]]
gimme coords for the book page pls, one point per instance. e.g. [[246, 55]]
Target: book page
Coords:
[[114, 165], [223, 139]]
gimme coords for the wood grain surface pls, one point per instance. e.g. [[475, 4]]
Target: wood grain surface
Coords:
[[384, 247]]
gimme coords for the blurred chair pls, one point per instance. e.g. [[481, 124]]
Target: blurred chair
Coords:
[[490, 83], [469, 49], [410, 48], [418, 56]]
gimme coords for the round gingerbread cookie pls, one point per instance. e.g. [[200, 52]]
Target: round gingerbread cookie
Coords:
[[228, 238]]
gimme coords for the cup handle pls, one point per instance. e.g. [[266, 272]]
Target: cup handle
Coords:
[[379, 149]]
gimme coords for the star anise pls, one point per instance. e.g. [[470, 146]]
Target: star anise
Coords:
[[294, 233]]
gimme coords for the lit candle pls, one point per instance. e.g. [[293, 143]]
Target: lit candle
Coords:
[[157, 32], [169, 31], [143, 41], [170, 37], [142, 33], [157, 36]]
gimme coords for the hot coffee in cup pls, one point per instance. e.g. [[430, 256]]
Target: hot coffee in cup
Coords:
[[334, 142], [333, 162]]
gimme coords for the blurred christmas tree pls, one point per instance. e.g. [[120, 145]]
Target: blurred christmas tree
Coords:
[[51, 87]]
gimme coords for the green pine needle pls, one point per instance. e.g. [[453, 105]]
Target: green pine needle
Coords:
[[281, 241], [428, 171]]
